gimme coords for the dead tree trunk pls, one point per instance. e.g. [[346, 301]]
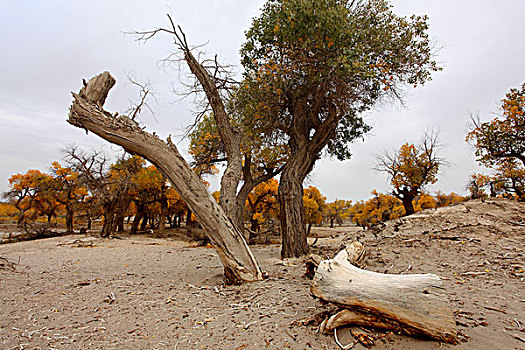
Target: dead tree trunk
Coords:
[[413, 304], [87, 113], [230, 136]]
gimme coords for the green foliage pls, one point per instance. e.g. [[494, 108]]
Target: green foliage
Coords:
[[206, 146], [329, 60]]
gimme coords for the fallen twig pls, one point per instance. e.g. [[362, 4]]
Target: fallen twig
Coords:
[[78, 243], [473, 273], [291, 336], [515, 336], [7, 264], [494, 309], [518, 323]]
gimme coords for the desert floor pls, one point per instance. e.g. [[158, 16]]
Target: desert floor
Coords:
[[138, 292]]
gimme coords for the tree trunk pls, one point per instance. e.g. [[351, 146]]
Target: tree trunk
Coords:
[[20, 219], [163, 212], [230, 137], [413, 304], [293, 228], [144, 223], [69, 220], [86, 112], [178, 223], [304, 150], [136, 220], [152, 225], [188, 219], [409, 206], [119, 222], [109, 215]]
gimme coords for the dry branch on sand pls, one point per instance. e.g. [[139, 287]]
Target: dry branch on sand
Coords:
[[411, 304], [6, 264]]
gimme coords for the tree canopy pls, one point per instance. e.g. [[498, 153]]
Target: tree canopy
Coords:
[[311, 69], [504, 136], [411, 168], [317, 64]]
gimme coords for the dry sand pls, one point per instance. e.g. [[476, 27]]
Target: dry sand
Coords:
[[145, 293]]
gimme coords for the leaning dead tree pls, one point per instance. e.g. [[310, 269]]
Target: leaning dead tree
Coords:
[[410, 304], [87, 112]]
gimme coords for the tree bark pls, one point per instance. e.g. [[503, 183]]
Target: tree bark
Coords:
[[20, 219], [163, 212], [188, 219], [69, 220], [145, 219], [120, 222], [230, 137], [87, 112], [136, 220], [305, 149], [162, 216], [109, 216], [409, 206], [293, 228]]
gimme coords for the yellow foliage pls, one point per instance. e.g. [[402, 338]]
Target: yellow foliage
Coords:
[[7, 209], [314, 205], [263, 202]]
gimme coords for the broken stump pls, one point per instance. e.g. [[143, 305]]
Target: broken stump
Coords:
[[411, 304]]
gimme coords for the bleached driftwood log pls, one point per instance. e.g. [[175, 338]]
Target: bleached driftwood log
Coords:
[[412, 304]]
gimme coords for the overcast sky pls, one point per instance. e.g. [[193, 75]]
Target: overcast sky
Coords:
[[49, 46]]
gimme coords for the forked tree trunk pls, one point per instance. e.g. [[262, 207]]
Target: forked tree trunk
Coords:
[[87, 112], [230, 137]]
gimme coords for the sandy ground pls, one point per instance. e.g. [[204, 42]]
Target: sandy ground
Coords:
[[145, 293]]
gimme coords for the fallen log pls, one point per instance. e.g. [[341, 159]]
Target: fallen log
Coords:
[[409, 304]]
